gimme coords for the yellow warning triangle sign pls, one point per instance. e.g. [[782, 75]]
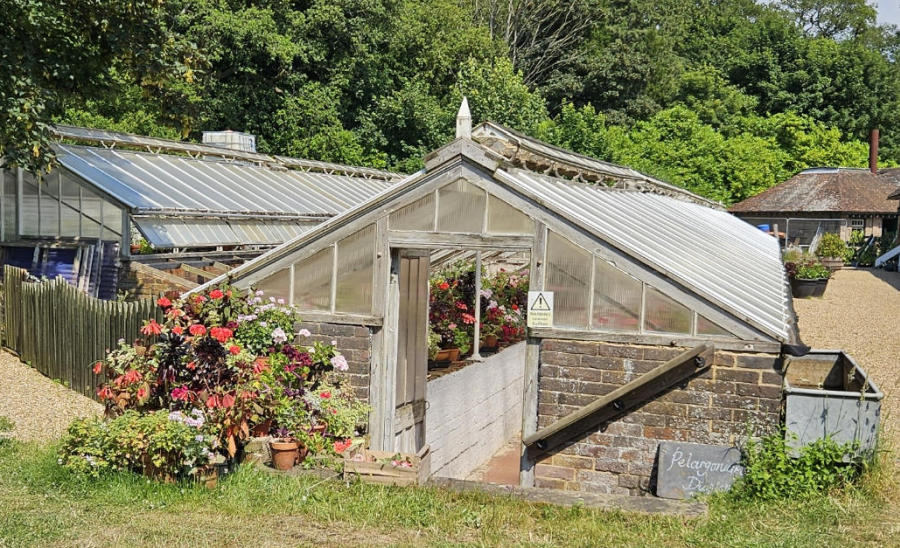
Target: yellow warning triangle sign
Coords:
[[540, 303]]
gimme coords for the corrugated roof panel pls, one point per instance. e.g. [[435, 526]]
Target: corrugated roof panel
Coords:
[[168, 232], [711, 252], [147, 182]]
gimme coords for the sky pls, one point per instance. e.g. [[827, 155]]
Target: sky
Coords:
[[888, 11]]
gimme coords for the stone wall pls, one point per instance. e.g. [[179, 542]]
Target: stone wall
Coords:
[[354, 342], [717, 406], [473, 412]]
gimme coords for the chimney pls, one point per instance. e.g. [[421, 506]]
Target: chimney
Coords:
[[873, 151], [464, 121]]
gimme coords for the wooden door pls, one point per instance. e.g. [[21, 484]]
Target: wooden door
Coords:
[[412, 351]]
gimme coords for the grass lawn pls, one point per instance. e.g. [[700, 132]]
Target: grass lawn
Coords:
[[42, 504]]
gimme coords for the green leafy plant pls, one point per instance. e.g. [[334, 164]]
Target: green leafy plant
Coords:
[[774, 470], [832, 246], [812, 270], [171, 444]]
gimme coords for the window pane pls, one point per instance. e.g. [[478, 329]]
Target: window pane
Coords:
[[706, 327], [665, 315], [312, 281], [9, 203], [461, 208], [277, 285], [49, 205], [90, 206], [569, 277], [418, 215], [356, 266], [617, 298], [29, 206], [505, 219], [112, 222]]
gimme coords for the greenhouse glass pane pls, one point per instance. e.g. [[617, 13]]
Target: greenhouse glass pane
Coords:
[[355, 271], [29, 206], [312, 281], [707, 327], [49, 207], [277, 285], [617, 298], [90, 208], [9, 203], [663, 314], [112, 221], [568, 275], [418, 215], [461, 208], [505, 219]]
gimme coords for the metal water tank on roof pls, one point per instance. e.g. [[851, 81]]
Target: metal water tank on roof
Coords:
[[234, 140]]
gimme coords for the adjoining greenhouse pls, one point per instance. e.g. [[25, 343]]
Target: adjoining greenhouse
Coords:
[[118, 208], [658, 298]]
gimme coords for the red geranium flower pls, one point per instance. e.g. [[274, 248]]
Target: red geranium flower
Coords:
[[191, 365], [468, 319], [221, 334], [234, 349], [216, 294], [515, 307], [141, 393], [164, 302], [444, 286], [98, 367], [104, 393], [197, 330], [342, 445], [461, 305], [151, 328], [178, 330], [326, 394]]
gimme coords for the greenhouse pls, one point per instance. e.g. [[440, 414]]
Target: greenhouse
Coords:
[[639, 273], [111, 190]]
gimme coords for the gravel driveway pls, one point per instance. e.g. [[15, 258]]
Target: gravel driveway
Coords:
[[860, 313], [42, 409]]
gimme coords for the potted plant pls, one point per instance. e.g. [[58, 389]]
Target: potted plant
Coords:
[[833, 252], [808, 278], [286, 450]]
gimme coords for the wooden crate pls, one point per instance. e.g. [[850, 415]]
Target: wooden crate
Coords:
[[382, 471]]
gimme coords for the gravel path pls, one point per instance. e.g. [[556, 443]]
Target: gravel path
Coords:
[[860, 313], [41, 408]]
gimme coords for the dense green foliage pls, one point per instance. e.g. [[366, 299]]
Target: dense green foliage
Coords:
[[774, 470], [725, 98]]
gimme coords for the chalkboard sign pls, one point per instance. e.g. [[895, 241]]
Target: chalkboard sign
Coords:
[[686, 469]]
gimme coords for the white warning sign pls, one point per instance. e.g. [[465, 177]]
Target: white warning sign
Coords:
[[540, 309]]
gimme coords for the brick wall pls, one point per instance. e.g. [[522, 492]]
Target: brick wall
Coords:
[[354, 342], [715, 407], [142, 281]]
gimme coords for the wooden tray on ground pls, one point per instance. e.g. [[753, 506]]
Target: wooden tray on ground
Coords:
[[382, 471]]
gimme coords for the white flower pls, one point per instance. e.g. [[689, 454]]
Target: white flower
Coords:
[[259, 293], [198, 437], [487, 293], [304, 333], [340, 363], [271, 299], [280, 301], [333, 342], [278, 335]]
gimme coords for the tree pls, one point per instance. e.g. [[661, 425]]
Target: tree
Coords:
[[831, 18], [55, 49]]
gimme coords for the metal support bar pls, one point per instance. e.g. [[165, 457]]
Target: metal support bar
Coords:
[[625, 397], [476, 342]]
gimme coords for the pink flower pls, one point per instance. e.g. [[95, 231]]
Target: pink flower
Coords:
[[164, 302], [340, 363], [98, 367], [326, 394], [197, 330], [180, 393], [234, 349], [216, 294], [141, 393], [304, 333], [178, 330]]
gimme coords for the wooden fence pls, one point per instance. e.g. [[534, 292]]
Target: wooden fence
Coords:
[[61, 331]]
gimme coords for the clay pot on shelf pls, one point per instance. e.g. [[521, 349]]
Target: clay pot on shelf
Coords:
[[489, 342]]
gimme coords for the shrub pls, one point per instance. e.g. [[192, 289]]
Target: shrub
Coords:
[[170, 444], [812, 270], [773, 470], [832, 246]]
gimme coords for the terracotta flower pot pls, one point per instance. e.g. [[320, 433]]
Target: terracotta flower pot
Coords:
[[319, 428], [285, 453], [489, 342], [454, 354]]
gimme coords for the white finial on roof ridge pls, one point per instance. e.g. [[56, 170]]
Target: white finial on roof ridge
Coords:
[[464, 121]]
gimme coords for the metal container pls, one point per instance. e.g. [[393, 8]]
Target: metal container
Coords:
[[828, 394]]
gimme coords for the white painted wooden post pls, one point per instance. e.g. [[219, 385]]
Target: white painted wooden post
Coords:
[[476, 343], [532, 361]]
